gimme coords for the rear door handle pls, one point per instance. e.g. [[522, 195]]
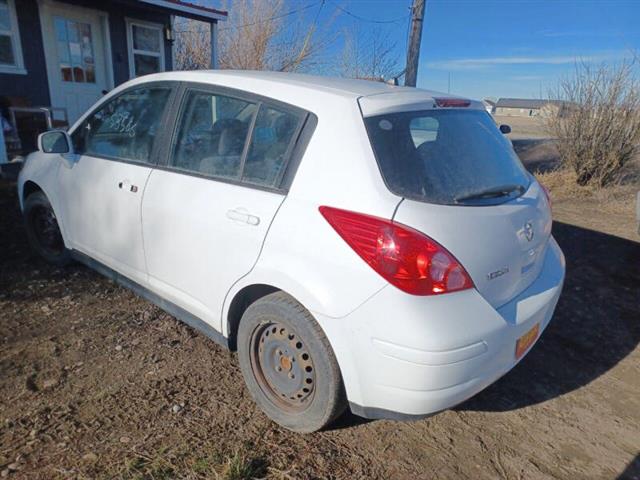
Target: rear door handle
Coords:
[[241, 215]]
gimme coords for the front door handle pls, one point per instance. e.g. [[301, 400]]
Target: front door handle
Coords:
[[241, 215], [126, 185]]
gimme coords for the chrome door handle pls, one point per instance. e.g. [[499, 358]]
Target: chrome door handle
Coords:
[[240, 215]]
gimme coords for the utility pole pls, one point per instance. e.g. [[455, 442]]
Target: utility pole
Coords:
[[413, 48]]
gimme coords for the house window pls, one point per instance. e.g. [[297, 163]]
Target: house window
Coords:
[[75, 51], [10, 48], [146, 48]]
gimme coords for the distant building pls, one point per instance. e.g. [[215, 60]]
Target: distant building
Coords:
[[523, 107]]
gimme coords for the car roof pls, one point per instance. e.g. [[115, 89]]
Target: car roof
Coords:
[[338, 86], [305, 90]]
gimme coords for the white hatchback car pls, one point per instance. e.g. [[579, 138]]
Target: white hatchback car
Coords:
[[359, 244]]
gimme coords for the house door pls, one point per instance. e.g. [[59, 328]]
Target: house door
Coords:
[[77, 67]]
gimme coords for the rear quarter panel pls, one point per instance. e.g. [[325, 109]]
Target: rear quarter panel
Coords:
[[302, 254]]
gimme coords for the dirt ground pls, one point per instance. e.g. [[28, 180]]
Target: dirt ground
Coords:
[[523, 127], [98, 383]]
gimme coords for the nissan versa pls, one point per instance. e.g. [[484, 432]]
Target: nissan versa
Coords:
[[360, 245]]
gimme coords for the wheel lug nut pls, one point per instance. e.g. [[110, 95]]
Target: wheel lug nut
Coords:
[[291, 375], [279, 368]]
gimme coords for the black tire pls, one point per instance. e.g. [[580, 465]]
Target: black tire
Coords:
[[43, 231], [293, 376]]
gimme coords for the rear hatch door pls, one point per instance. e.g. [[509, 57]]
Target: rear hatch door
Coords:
[[501, 246], [464, 186]]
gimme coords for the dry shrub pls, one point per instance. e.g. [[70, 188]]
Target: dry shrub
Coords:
[[597, 126], [562, 183], [369, 55], [259, 35], [192, 45]]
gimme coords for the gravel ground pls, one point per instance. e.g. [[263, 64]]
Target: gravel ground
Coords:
[[98, 383]]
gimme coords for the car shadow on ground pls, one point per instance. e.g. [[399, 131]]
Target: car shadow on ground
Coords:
[[595, 325], [632, 472]]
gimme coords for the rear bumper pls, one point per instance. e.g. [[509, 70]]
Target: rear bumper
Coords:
[[404, 356]]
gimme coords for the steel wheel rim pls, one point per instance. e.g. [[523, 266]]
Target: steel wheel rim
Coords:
[[45, 228], [282, 366]]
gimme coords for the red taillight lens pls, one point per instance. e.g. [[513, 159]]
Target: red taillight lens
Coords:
[[452, 102], [405, 257]]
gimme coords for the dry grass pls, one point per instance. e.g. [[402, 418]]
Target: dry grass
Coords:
[[242, 464], [618, 199], [523, 127]]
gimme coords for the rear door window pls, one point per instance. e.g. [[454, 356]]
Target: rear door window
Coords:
[[239, 139], [212, 133], [449, 157], [273, 136]]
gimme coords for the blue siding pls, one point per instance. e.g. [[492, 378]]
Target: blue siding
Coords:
[[34, 85]]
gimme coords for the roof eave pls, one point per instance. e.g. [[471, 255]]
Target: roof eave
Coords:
[[192, 12]]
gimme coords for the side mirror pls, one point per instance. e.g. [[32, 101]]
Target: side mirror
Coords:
[[55, 141], [505, 129]]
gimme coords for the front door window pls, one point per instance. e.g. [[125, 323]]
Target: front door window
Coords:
[[123, 128], [75, 51]]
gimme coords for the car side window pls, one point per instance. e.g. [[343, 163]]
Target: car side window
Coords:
[[211, 135], [124, 127], [273, 133]]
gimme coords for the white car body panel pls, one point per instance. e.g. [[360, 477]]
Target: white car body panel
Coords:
[[197, 243], [487, 240], [102, 211], [194, 250]]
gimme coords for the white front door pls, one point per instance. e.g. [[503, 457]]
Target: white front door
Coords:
[[102, 189], [75, 50]]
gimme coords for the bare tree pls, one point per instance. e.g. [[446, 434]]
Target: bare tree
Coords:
[[192, 45], [259, 35], [369, 56], [597, 127]]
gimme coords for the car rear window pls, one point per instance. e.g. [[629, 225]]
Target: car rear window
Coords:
[[446, 156]]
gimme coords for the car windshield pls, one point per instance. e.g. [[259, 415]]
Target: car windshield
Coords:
[[448, 157]]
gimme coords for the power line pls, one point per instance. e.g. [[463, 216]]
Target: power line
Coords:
[[270, 19], [367, 20], [297, 10]]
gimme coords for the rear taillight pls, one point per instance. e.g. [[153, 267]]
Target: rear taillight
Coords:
[[452, 102], [403, 256]]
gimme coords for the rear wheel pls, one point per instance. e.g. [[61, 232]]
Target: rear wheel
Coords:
[[43, 231], [288, 364]]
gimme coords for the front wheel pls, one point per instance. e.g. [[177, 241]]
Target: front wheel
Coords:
[[43, 231], [288, 364]]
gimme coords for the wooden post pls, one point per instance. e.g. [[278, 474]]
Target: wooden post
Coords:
[[214, 45], [413, 48]]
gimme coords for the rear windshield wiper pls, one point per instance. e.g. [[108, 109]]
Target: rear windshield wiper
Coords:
[[493, 192]]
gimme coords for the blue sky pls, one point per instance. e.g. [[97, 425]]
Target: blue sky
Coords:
[[514, 48]]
